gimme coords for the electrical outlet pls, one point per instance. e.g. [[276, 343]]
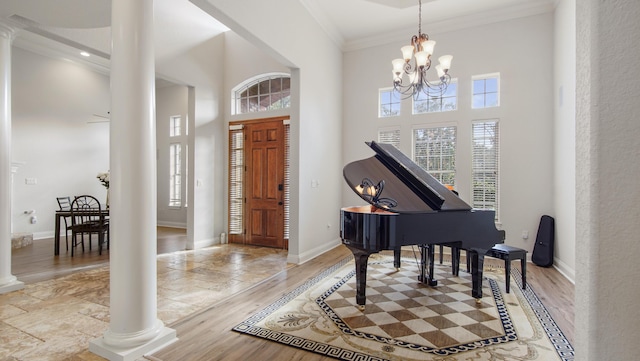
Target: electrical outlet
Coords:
[[31, 181], [525, 234]]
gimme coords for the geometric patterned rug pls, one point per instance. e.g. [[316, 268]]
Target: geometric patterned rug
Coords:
[[407, 320]]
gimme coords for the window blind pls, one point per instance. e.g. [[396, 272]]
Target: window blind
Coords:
[[485, 164]]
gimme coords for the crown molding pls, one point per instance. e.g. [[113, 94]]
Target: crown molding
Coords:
[[453, 24]]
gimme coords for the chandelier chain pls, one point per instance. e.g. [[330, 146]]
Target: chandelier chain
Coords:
[[419, 18]]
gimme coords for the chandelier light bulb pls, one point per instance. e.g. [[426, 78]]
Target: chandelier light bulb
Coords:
[[422, 57], [445, 61], [428, 46], [398, 66], [407, 52]]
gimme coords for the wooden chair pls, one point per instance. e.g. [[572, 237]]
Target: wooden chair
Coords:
[[65, 205], [86, 218]]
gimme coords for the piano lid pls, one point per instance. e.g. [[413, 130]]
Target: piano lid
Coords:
[[392, 181]]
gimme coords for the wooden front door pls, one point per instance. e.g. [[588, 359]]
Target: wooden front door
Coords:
[[264, 152]]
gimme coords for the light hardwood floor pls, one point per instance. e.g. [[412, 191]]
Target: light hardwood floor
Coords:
[[207, 335]]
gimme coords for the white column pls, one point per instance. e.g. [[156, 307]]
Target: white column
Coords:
[[8, 282], [607, 173], [134, 328]]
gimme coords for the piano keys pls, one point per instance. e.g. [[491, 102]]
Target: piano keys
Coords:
[[407, 206]]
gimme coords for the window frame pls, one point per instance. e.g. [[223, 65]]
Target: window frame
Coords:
[[391, 103], [485, 77], [496, 169], [439, 98], [175, 175], [394, 142], [437, 173], [238, 90]]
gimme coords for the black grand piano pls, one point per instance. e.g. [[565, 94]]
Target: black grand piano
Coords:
[[407, 206]]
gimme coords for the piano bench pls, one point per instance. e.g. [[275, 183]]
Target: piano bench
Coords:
[[508, 254]]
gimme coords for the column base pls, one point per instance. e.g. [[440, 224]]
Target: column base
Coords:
[[166, 337], [11, 286]]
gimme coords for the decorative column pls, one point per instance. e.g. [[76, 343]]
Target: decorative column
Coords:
[[134, 328], [8, 282]]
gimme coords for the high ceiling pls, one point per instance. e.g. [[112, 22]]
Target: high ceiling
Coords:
[[64, 27]]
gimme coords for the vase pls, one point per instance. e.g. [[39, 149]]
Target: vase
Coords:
[[107, 202]]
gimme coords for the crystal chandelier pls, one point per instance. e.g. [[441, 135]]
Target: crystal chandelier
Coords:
[[420, 52]]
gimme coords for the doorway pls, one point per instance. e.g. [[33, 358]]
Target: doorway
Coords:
[[258, 196]]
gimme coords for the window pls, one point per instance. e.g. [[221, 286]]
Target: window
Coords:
[[389, 103], [266, 92], [389, 135], [486, 91], [431, 102], [175, 175], [434, 150], [174, 126], [236, 172], [485, 162]]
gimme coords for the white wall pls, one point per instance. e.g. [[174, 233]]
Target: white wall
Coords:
[[52, 103], [201, 69], [520, 50], [64, 145], [565, 136], [316, 113], [170, 101]]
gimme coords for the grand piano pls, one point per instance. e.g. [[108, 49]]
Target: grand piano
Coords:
[[407, 206]]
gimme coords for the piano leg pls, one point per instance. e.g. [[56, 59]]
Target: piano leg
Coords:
[[477, 265], [427, 256], [361, 257], [396, 258]]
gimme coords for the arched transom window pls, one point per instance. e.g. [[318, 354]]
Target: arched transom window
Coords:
[[262, 93]]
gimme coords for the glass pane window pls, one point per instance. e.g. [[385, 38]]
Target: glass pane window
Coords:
[[485, 164], [389, 103], [434, 150], [174, 126], [236, 179], [175, 175], [264, 93], [486, 91], [431, 102]]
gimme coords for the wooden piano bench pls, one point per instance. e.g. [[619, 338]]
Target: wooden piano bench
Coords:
[[508, 254]]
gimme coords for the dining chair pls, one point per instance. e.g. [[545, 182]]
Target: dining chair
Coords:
[[65, 205], [86, 218]]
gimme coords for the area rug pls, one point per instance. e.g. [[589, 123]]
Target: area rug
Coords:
[[406, 320]]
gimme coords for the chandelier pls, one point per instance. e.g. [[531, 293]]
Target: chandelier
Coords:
[[420, 52]]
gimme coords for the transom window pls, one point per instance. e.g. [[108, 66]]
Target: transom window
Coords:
[[434, 150], [389, 103], [263, 93], [431, 102], [486, 91], [174, 125]]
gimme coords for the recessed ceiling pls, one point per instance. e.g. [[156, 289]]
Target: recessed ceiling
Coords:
[[399, 4], [180, 25]]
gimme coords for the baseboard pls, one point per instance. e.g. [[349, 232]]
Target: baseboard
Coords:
[[180, 225], [306, 256], [568, 272]]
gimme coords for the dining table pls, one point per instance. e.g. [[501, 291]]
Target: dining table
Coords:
[[102, 213]]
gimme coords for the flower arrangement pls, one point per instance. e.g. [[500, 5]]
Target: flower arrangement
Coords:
[[104, 179]]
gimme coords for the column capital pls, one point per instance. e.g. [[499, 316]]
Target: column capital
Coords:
[[8, 31]]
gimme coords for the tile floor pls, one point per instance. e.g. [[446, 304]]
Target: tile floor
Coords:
[[56, 319]]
